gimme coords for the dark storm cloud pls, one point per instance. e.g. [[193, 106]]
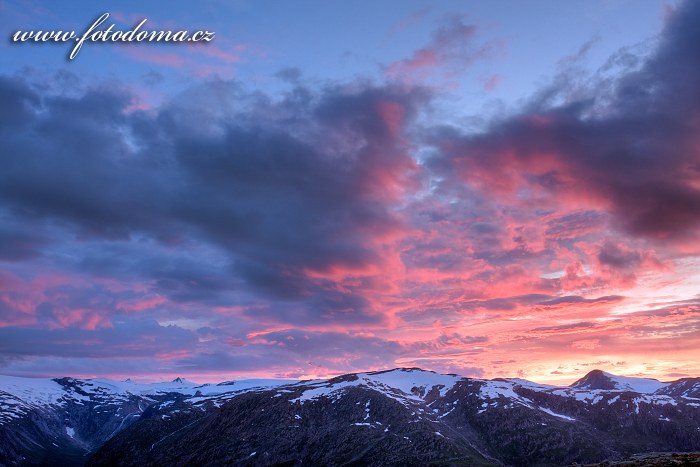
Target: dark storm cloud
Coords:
[[279, 204], [633, 149], [281, 189], [71, 162], [613, 255]]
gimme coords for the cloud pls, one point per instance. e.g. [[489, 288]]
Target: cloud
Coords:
[[127, 339], [18, 103], [635, 158], [578, 300], [19, 245], [333, 352], [618, 257], [452, 46], [574, 225], [285, 204], [507, 303], [564, 327], [335, 227]]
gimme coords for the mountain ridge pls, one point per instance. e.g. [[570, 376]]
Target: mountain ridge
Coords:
[[185, 381], [360, 417]]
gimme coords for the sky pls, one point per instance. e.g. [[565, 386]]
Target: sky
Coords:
[[493, 189]]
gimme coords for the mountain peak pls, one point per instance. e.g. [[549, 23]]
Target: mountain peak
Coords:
[[399, 370], [598, 379], [178, 380], [595, 379]]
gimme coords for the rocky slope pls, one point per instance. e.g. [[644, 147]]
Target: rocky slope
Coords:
[[61, 421], [397, 417]]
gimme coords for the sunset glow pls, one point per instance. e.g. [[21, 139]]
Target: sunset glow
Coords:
[[321, 190]]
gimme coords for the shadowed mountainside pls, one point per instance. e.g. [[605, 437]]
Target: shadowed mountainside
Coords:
[[397, 417]]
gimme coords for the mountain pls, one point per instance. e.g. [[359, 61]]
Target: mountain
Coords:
[[597, 379], [404, 416], [61, 421]]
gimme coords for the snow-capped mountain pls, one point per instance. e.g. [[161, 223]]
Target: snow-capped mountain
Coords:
[[597, 379], [18, 396], [395, 417], [42, 420]]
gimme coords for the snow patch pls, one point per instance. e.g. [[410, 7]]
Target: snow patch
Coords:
[[496, 389], [401, 385], [640, 385], [33, 391], [405, 380], [554, 414]]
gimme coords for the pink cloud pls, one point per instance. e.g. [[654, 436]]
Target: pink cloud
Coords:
[[142, 304], [85, 319], [451, 48]]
